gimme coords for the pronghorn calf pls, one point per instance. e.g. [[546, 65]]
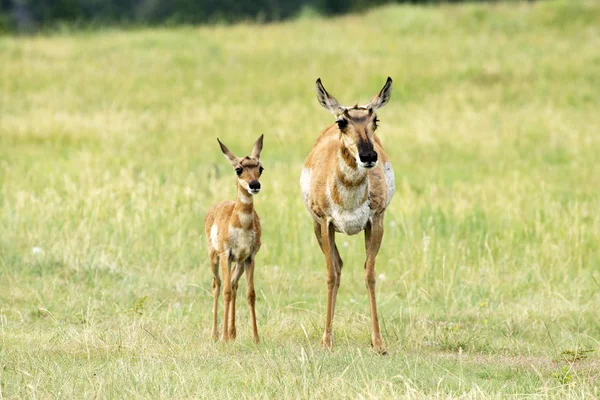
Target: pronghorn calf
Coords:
[[233, 235], [347, 182]]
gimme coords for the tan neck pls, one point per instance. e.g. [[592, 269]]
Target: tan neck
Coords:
[[244, 209]]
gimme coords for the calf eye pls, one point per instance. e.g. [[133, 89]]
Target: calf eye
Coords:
[[238, 170], [261, 169]]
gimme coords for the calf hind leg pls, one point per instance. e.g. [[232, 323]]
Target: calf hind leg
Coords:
[[216, 289]]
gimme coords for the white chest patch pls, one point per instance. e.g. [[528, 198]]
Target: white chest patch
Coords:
[[214, 232], [388, 173], [246, 219], [352, 215], [241, 243]]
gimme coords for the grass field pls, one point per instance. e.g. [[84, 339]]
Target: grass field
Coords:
[[489, 273]]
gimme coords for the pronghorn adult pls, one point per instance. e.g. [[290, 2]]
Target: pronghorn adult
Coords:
[[347, 182], [233, 235]]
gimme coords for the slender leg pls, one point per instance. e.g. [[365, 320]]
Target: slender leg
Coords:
[[237, 274], [251, 295], [216, 286], [338, 263], [373, 236], [225, 270], [338, 258], [328, 247], [317, 228]]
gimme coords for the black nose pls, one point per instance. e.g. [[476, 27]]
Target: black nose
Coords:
[[368, 156], [254, 185]]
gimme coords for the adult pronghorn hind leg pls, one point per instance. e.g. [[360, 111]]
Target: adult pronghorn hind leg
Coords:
[[235, 277], [330, 251], [251, 296], [373, 236], [216, 286]]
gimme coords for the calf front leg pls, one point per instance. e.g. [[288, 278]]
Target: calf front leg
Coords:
[[237, 274], [225, 271], [252, 298]]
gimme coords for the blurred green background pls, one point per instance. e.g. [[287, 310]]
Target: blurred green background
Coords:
[[30, 15]]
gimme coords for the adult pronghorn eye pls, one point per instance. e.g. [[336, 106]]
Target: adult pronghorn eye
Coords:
[[342, 123], [239, 170], [261, 169]]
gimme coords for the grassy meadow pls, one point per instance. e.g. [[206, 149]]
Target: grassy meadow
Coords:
[[489, 272]]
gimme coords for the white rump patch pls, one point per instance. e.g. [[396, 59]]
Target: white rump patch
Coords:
[[388, 173], [214, 232], [305, 183]]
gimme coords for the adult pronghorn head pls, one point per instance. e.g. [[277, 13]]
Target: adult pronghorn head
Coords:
[[248, 169], [357, 124]]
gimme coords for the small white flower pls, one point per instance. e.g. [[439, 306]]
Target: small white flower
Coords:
[[426, 240], [353, 301], [345, 244], [275, 268], [392, 224], [36, 250], [382, 277]]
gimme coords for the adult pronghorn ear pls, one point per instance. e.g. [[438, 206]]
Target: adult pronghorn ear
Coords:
[[328, 101], [257, 148], [382, 97], [233, 159]]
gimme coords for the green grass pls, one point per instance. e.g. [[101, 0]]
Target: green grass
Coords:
[[491, 256]]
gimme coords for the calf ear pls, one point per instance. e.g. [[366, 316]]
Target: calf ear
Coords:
[[257, 148], [233, 159], [328, 101], [382, 97]]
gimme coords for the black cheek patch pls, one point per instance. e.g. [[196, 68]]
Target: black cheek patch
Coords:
[[342, 123]]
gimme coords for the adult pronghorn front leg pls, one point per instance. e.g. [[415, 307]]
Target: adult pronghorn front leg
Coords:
[[337, 262], [373, 236], [327, 241], [338, 259]]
